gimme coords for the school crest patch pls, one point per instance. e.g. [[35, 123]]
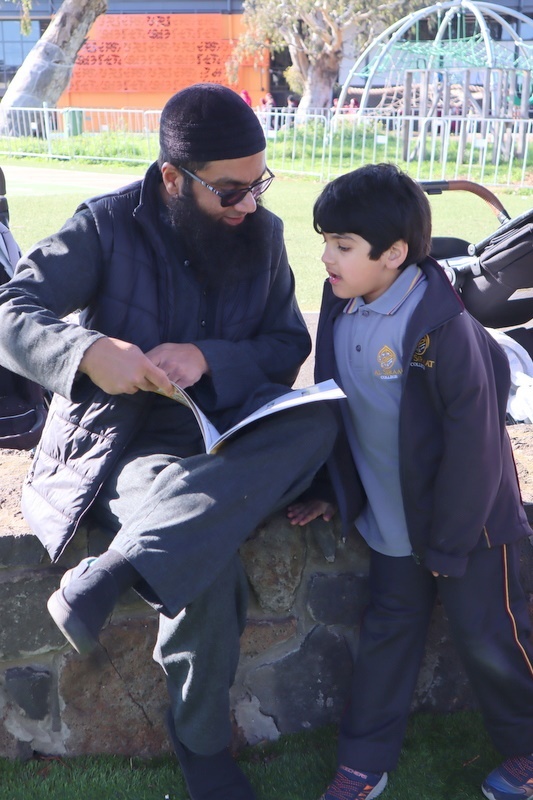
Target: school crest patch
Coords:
[[419, 356], [387, 359]]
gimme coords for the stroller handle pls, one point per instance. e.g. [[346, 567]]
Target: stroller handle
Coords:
[[438, 187]]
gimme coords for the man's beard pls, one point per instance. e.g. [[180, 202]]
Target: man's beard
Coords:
[[219, 253]]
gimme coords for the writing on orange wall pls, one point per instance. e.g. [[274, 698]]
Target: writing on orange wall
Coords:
[[153, 53]]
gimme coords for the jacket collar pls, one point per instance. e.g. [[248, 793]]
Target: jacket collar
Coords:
[[440, 304]]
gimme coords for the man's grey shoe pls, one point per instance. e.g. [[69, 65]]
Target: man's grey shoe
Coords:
[[76, 571], [82, 604]]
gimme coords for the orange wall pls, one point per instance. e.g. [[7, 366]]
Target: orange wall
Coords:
[[140, 60]]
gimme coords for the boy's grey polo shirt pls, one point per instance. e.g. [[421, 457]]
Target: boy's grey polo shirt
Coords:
[[368, 352]]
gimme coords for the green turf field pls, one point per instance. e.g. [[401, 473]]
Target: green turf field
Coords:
[[42, 197]]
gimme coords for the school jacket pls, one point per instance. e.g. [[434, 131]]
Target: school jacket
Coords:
[[459, 484], [120, 277]]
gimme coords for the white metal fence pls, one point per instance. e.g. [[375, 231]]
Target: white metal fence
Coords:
[[493, 151]]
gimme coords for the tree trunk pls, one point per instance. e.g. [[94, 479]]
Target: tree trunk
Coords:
[[46, 71], [319, 82]]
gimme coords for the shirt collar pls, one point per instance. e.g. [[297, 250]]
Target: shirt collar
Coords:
[[391, 300]]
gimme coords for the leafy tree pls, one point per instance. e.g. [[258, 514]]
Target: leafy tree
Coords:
[[46, 70], [316, 33]]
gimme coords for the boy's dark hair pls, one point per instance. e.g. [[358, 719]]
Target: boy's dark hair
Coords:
[[381, 204]]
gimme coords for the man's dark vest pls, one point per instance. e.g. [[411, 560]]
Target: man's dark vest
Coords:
[[100, 425]]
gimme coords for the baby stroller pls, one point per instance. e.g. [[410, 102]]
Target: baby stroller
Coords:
[[494, 278]]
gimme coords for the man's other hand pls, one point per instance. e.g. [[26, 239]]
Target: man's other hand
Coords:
[[183, 363]]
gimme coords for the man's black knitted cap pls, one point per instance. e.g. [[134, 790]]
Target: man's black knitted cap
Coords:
[[208, 122]]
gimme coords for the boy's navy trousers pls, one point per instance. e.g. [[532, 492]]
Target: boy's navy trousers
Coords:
[[488, 615]]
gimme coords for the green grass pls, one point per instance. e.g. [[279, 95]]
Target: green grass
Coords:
[[39, 207], [445, 757]]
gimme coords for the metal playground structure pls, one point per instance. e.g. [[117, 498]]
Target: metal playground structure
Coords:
[[457, 59], [478, 53]]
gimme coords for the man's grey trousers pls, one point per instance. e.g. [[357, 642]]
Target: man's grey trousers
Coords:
[[180, 523]]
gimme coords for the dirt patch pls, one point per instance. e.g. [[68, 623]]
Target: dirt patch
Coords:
[[522, 441], [14, 465]]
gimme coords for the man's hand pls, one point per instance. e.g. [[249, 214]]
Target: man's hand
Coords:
[[119, 367], [183, 363], [302, 513]]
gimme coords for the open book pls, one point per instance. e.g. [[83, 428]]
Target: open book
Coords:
[[326, 390]]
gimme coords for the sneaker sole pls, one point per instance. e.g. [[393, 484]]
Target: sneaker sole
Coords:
[[494, 794], [379, 787], [376, 791], [70, 625]]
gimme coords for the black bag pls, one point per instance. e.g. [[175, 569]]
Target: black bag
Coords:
[[508, 256], [506, 265], [23, 406], [22, 411]]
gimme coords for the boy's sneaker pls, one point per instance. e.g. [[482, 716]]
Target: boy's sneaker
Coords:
[[348, 784], [512, 779]]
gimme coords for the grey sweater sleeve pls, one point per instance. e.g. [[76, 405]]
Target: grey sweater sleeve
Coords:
[[55, 278]]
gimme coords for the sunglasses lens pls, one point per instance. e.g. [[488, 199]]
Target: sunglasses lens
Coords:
[[261, 187], [233, 198]]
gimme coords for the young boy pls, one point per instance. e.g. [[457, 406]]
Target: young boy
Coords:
[[425, 470]]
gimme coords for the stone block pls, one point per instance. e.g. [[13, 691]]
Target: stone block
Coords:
[[274, 560], [21, 550], [337, 599], [10, 744], [27, 627], [326, 536], [351, 554], [30, 688], [114, 700], [30, 724], [261, 635], [307, 687], [251, 725]]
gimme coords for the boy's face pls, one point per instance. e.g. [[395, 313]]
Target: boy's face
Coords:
[[352, 273]]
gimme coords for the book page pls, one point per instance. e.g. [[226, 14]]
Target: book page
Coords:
[[209, 432], [326, 390]]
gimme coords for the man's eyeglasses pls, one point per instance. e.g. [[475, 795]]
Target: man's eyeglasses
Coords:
[[235, 196]]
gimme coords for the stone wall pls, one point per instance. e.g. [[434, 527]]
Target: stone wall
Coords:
[[308, 591]]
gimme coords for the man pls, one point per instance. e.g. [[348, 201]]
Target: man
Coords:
[[180, 277]]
